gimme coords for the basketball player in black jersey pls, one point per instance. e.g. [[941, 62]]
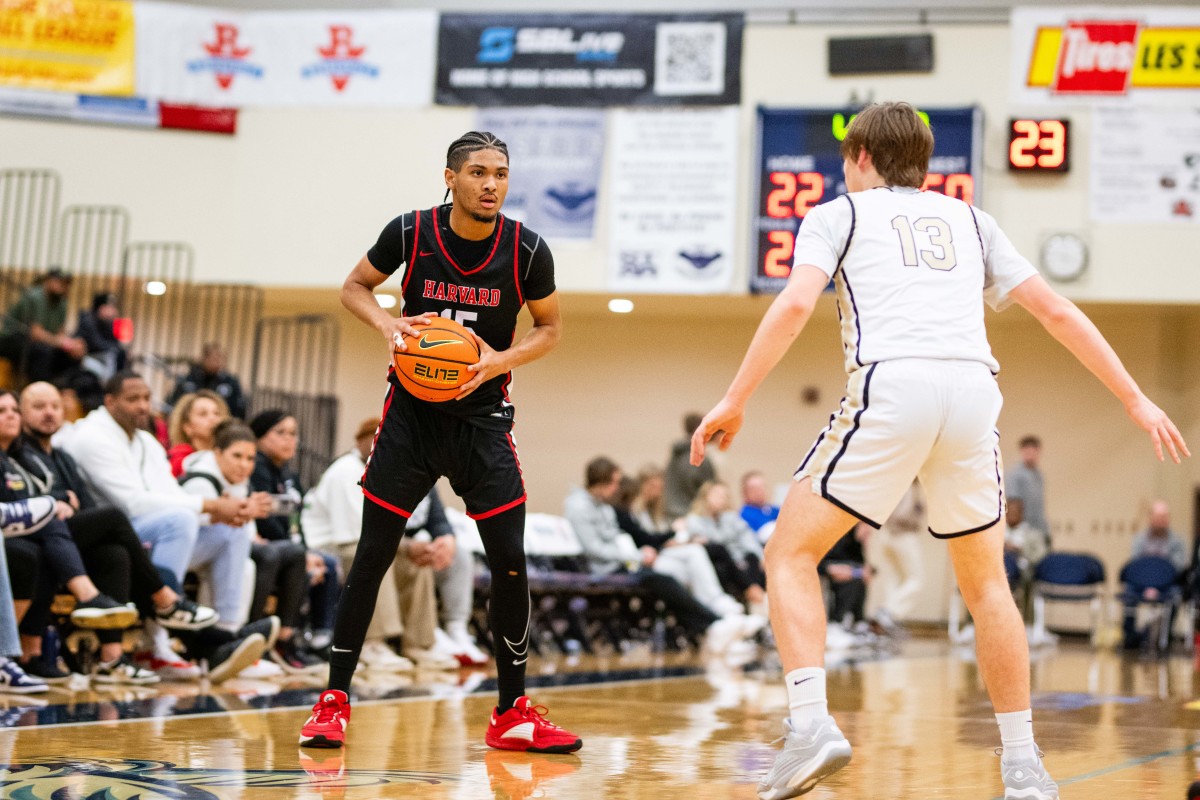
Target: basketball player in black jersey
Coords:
[[466, 261]]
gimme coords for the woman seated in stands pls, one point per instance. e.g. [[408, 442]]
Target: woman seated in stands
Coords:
[[278, 441], [280, 564], [731, 544], [193, 420], [41, 562]]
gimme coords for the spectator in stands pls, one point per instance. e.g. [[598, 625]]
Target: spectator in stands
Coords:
[[757, 509], [281, 566], [1159, 541], [609, 551], [193, 419], [682, 480], [278, 439], [846, 568], [731, 544], [123, 465], [648, 506], [42, 561], [209, 373], [1024, 547], [15, 519], [406, 606], [111, 550], [97, 328], [34, 331], [1026, 483]]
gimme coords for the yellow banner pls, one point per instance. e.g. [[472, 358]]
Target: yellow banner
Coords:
[[1165, 58], [82, 46]]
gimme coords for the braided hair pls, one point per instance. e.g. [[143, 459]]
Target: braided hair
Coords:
[[471, 142]]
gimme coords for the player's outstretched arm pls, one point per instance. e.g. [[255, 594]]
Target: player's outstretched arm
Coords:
[[358, 295], [1071, 327], [541, 339], [780, 326]]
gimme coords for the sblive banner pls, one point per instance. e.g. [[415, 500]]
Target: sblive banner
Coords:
[[272, 58], [673, 201], [555, 155], [589, 59], [77, 46], [1110, 53]]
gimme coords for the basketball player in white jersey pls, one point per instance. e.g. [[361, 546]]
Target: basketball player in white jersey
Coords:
[[912, 270]]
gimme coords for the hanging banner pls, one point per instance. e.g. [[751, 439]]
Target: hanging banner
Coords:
[[1145, 165], [285, 58], [1082, 54], [555, 155], [799, 167], [589, 59], [674, 198], [80, 46]]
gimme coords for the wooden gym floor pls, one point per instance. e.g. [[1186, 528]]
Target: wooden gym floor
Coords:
[[653, 727]]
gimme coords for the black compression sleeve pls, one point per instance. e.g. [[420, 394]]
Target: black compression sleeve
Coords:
[[390, 250], [538, 283]]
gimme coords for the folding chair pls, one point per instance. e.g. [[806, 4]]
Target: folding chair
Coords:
[[1069, 578], [1159, 574]]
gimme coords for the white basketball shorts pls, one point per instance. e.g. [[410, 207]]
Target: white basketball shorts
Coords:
[[930, 419]]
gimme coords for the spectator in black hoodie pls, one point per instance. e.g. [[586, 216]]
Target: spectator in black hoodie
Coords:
[[209, 373]]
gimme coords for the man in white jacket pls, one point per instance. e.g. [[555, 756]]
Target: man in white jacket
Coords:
[[126, 467]]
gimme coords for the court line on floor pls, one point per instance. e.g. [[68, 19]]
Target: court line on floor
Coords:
[[1133, 762], [434, 696]]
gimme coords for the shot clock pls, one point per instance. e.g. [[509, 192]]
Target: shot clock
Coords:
[[1039, 145], [800, 166]]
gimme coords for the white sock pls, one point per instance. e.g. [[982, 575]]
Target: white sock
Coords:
[[1016, 736], [806, 696], [456, 629]]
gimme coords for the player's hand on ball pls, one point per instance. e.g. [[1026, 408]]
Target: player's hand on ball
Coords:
[[399, 327], [725, 420], [1162, 430], [490, 364]]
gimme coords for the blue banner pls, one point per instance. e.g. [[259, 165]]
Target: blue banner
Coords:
[[555, 156]]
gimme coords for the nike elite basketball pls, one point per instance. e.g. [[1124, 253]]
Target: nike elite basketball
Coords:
[[434, 366]]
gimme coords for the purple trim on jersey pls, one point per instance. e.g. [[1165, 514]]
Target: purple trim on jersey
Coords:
[[979, 234], [866, 400], [437, 232], [857, 322], [817, 443], [1000, 493], [851, 511]]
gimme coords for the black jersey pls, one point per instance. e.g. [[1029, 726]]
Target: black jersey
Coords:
[[481, 284]]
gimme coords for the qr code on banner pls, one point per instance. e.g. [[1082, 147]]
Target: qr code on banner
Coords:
[[689, 58]]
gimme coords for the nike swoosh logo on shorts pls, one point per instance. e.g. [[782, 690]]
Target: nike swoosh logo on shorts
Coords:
[[426, 344], [425, 254]]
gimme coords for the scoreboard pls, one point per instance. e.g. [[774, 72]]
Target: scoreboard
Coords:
[[799, 166]]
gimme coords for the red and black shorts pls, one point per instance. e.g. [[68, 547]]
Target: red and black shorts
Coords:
[[417, 443]]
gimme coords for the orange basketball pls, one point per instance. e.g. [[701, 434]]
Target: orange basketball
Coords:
[[434, 366]]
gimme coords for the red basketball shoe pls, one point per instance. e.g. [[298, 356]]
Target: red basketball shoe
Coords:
[[327, 725], [524, 727]]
